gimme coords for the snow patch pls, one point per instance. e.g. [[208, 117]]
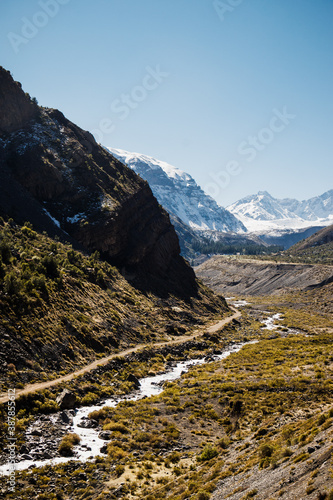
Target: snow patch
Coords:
[[55, 221]]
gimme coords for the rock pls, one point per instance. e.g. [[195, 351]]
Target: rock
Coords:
[[311, 449], [36, 432], [66, 399], [104, 449], [16, 106], [132, 378], [66, 417], [47, 455], [87, 423], [105, 435], [119, 490], [23, 449], [25, 456]]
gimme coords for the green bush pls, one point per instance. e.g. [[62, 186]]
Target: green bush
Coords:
[[5, 252], [119, 470], [208, 453], [266, 450], [114, 426], [203, 495], [67, 444], [12, 284]]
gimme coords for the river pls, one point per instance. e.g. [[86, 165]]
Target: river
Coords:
[[91, 444]]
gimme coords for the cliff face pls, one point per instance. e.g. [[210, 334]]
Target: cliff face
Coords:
[[16, 106], [56, 175]]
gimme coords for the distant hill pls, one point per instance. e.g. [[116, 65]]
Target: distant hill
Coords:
[[317, 248], [320, 238]]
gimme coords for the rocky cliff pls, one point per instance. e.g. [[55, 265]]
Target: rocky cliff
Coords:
[[58, 177], [16, 106]]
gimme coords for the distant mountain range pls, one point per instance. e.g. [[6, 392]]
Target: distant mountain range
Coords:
[[180, 195], [198, 217], [262, 213]]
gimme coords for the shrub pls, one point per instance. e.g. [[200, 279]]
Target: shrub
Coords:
[[12, 284], [114, 426], [67, 444], [5, 252], [251, 494], [266, 450], [224, 443], [203, 495], [208, 453], [119, 470], [287, 452], [51, 266], [115, 452]]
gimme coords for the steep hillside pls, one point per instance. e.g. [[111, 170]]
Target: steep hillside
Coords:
[[56, 176], [179, 194], [60, 308]]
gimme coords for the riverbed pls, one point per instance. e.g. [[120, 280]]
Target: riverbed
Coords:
[[91, 443]]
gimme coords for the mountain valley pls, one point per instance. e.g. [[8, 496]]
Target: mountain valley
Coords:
[[97, 305]]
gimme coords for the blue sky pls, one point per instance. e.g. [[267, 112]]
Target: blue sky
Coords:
[[238, 93]]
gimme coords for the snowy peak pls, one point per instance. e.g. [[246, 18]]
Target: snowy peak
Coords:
[[318, 207], [261, 206], [179, 194], [261, 211], [142, 162]]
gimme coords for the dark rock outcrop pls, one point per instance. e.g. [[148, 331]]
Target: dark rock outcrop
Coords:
[[66, 400], [59, 178], [132, 378], [16, 107]]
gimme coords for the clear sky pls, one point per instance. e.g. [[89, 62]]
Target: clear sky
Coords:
[[238, 93]]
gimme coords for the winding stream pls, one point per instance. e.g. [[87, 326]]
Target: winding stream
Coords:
[[91, 444]]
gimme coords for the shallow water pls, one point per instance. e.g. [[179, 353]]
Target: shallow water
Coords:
[[270, 322], [90, 443]]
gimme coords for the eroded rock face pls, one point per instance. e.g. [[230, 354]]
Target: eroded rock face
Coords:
[[16, 106], [71, 186]]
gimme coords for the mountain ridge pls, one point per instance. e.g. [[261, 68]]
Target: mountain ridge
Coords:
[[179, 194], [261, 211], [67, 184]]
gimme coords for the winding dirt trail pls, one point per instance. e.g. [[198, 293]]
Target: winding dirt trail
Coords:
[[103, 361]]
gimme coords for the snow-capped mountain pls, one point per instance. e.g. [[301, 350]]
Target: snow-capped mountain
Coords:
[[261, 212], [180, 195]]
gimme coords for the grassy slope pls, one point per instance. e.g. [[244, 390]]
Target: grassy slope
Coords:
[[60, 309]]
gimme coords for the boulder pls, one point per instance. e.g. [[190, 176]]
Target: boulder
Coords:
[[66, 417], [104, 449], [106, 435], [132, 378], [87, 423], [66, 399]]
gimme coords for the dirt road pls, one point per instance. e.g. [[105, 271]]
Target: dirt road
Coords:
[[103, 361]]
